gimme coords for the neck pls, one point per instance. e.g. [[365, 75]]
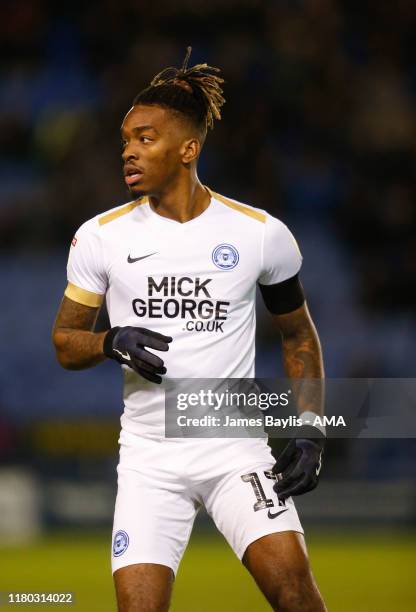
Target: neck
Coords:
[[182, 201]]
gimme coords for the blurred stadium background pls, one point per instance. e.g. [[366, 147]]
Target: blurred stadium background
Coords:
[[320, 129]]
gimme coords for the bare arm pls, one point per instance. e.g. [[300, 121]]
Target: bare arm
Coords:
[[302, 357], [77, 346]]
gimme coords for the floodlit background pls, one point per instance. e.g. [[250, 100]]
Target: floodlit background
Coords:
[[319, 128]]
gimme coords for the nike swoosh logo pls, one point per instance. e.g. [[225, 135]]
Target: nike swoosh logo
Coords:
[[125, 355], [134, 259], [273, 516], [318, 469]]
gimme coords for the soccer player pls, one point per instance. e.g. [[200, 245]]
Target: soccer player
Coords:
[[178, 266]]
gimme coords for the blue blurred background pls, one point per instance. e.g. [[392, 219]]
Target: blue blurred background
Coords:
[[319, 129]]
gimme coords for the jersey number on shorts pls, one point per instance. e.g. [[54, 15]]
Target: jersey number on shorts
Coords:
[[262, 501]]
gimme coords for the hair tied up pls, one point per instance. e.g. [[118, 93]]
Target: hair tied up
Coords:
[[200, 78], [183, 84]]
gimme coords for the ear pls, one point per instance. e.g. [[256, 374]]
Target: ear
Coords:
[[190, 150]]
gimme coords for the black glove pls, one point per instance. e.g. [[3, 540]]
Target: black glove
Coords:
[[127, 345], [299, 464]]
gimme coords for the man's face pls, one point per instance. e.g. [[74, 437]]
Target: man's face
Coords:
[[153, 149]]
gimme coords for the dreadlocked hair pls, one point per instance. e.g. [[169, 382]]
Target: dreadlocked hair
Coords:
[[195, 92]]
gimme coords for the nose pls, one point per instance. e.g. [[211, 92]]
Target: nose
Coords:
[[128, 153]]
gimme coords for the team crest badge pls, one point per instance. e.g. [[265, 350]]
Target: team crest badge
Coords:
[[225, 256], [120, 544]]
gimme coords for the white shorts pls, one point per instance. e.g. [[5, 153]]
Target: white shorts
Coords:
[[162, 484]]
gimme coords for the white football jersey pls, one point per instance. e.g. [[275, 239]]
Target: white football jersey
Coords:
[[194, 281]]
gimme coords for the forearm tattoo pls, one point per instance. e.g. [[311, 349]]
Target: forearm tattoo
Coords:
[[302, 359], [76, 344]]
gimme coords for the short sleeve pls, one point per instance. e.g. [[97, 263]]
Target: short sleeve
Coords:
[[87, 279], [282, 258]]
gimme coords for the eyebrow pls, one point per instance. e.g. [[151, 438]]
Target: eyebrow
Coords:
[[141, 128]]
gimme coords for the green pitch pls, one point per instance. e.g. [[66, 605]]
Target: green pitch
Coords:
[[364, 573]]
